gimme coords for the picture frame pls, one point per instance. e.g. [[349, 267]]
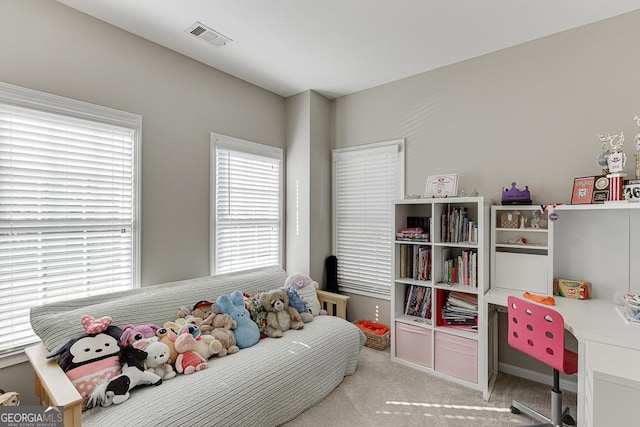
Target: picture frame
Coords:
[[445, 185], [601, 189], [582, 192]]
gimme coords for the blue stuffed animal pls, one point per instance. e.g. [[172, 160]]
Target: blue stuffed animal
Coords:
[[247, 332], [296, 301]]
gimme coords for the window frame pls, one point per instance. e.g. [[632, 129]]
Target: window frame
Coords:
[[41, 101], [400, 144], [252, 148]]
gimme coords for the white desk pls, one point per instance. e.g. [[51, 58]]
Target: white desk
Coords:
[[590, 321]]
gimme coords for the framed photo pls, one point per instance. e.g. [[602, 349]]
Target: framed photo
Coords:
[[582, 190], [441, 185]]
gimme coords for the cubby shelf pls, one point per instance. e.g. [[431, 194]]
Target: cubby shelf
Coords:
[[457, 251]]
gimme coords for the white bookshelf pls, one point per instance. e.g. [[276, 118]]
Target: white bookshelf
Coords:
[[453, 352]]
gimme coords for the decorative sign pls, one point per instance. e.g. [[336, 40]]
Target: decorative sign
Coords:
[[442, 185], [582, 190]]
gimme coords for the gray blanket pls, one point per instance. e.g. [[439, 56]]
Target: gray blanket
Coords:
[[264, 385]]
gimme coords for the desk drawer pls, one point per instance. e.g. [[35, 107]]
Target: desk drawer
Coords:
[[413, 344], [456, 356]]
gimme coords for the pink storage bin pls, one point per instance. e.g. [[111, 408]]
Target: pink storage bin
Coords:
[[456, 356], [413, 344]]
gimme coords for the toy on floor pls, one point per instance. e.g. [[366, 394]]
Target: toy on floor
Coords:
[[9, 398], [280, 315], [247, 332]]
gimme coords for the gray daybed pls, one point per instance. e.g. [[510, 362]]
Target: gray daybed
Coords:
[[264, 385]]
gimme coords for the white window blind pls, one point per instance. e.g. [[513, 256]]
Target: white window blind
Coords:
[[67, 205], [366, 179], [247, 205]]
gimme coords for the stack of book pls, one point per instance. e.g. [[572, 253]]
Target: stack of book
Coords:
[[416, 234], [460, 309], [456, 226], [418, 302], [415, 262], [461, 269]]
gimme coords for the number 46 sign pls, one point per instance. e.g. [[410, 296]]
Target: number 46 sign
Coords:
[[632, 189]]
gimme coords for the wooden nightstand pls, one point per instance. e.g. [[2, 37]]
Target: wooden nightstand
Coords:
[[335, 304]]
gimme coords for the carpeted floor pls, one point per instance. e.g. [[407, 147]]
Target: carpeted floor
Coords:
[[383, 393]]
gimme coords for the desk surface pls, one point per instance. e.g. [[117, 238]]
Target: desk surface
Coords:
[[588, 320]]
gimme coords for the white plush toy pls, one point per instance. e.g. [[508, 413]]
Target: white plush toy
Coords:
[[306, 287], [157, 360]]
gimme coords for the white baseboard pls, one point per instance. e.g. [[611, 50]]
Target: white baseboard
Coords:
[[538, 377]]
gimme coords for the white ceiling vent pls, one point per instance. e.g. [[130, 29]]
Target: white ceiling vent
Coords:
[[207, 34]]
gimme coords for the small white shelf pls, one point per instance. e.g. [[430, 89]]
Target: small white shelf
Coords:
[[414, 320], [457, 287], [524, 230], [516, 246]]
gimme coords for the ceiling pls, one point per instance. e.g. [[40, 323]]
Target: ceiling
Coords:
[[338, 47]]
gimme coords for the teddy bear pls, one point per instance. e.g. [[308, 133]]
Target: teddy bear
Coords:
[[158, 354], [188, 360], [280, 315], [246, 332], [223, 326], [9, 398], [202, 315], [306, 287]]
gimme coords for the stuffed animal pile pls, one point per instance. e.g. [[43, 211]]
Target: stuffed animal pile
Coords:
[[106, 363]]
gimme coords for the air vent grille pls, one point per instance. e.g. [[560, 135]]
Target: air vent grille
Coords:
[[207, 34]]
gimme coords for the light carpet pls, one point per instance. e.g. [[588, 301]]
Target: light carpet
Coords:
[[383, 393]]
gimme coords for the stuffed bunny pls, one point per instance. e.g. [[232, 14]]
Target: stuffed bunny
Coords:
[[247, 332]]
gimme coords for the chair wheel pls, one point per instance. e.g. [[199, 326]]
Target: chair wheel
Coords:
[[515, 410], [568, 420]]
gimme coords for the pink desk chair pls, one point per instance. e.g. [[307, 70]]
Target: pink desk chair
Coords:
[[538, 331]]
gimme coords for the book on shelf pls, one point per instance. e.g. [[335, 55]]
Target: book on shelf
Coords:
[[415, 262], [457, 227], [460, 269], [418, 301]]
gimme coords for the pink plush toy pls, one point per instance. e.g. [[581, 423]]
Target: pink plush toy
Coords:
[[188, 361], [131, 333]]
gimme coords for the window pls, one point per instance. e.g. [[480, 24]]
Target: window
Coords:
[[68, 205], [366, 179], [246, 207]]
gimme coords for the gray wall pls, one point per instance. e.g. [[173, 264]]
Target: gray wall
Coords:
[[49, 47], [308, 135], [528, 114]]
